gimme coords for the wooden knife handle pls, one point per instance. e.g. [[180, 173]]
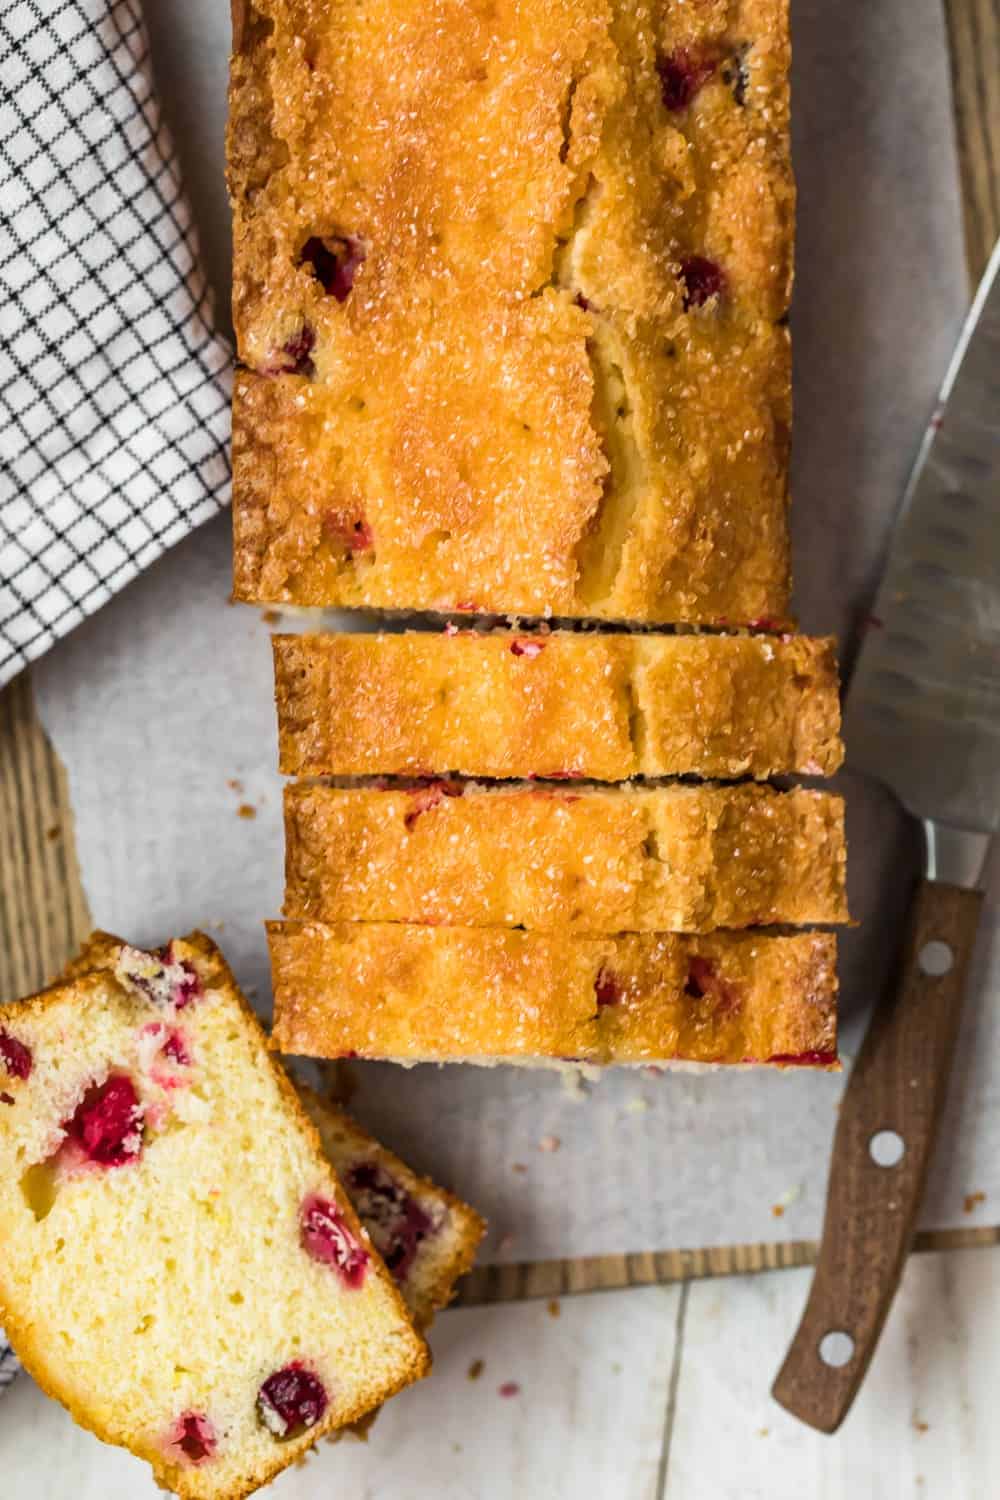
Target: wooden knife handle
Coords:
[[898, 1084]]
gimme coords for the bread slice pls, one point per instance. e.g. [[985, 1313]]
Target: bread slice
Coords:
[[560, 705], [487, 995], [181, 1267], [426, 1236], [622, 859], [529, 371]]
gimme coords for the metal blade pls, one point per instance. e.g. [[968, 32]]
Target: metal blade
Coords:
[[923, 712]]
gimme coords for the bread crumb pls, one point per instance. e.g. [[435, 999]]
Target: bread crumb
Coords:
[[53, 833], [763, 1431], [555, 1311], [918, 1423], [549, 1143], [271, 617], [234, 784], [574, 1085], [519, 1166], [246, 810], [476, 1369], [972, 1201], [785, 1201]]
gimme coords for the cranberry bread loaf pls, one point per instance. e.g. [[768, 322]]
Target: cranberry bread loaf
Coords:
[[623, 859], [559, 705], [412, 994], [540, 370], [425, 1235], [181, 1267]]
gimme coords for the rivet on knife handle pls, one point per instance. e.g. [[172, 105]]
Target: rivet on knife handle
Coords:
[[888, 1122]]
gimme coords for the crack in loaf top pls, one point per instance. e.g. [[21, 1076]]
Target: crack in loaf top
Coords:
[[509, 286]]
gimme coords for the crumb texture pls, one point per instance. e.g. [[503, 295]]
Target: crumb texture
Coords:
[[673, 859], [451, 994], [604, 707], [517, 370], [155, 1277]]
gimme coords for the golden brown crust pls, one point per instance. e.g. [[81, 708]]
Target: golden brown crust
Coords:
[[549, 408], [343, 1138], [605, 707], [443, 994], [239, 15], [670, 859], [87, 973]]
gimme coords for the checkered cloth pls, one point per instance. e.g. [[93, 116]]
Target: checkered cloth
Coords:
[[8, 1365], [114, 386]]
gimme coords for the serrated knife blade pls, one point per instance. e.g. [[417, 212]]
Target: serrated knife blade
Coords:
[[923, 715]]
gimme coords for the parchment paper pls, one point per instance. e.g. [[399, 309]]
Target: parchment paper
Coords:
[[163, 701]]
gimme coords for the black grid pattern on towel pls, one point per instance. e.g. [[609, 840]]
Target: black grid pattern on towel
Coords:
[[114, 386], [8, 1365]]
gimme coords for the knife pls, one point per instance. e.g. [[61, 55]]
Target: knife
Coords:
[[923, 715]]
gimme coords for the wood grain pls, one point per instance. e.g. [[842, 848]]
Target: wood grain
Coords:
[[897, 1086], [43, 911], [532, 1280], [974, 36]]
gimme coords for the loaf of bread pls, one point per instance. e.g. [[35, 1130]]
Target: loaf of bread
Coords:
[[539, 370], [622, 859], [181, 1267], [409, 994], [426, 1236], [560, 705]]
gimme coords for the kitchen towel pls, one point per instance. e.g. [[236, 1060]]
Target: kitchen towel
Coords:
[[114, 385]]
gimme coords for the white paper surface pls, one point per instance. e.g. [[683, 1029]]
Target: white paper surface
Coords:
[[164, 699]]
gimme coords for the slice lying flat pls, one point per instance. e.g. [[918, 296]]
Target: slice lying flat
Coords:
[[560, 705], [486, 995], [622, 859], [181, 1267]]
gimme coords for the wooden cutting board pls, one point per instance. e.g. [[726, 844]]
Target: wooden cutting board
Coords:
[[43, 911]]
